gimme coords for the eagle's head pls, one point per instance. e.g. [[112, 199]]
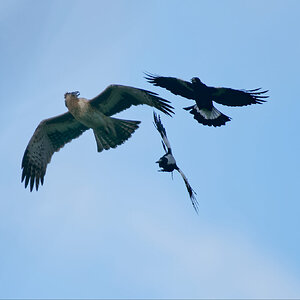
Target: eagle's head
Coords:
[[71, 95]]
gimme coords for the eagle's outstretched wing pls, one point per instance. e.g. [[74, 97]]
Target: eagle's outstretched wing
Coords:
[[116, 98], [160, 128], [172, 84], [50, 135], [231, 97]]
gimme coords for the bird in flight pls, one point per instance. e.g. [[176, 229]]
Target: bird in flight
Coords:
[[53, 133], [167, 162], [204, 111]]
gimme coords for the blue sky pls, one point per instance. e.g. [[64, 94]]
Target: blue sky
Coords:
[[109, 225]]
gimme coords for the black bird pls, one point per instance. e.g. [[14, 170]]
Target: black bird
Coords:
[[204, 111], [167, 162]]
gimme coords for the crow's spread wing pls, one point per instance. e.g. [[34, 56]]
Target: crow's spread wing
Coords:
[[174, 85], [116, 98], [231, 97], [50, 135]]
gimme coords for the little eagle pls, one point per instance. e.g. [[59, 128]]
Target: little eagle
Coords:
[[53, 133], [204, 111], [167, 162]]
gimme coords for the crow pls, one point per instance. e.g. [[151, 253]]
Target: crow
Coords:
[[204, 111]]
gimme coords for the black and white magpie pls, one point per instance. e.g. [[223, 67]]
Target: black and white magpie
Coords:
[[167, 162]]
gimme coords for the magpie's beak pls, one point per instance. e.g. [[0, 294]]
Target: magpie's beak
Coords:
[[157, 162]]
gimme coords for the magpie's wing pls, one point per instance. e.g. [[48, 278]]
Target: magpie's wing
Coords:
[[116, 98], [231, 97], [161, 129], [191, 192], [172, 84]]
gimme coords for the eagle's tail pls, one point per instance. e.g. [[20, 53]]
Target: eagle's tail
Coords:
[[116, 133], [208, 117]]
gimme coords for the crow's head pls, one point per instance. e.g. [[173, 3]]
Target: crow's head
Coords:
[[196, 80]]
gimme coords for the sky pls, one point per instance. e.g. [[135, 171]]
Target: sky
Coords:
[[108, 225]]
